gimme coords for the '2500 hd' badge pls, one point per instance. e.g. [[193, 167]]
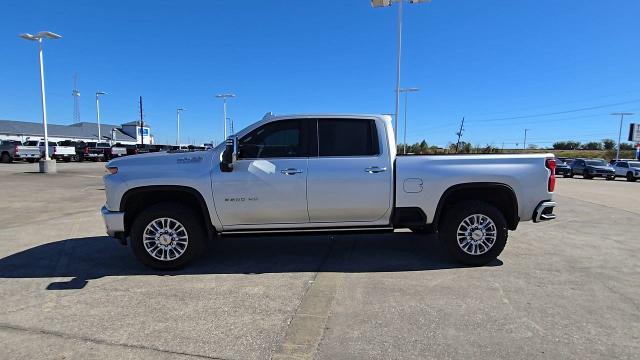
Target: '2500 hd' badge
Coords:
[[241, 199]]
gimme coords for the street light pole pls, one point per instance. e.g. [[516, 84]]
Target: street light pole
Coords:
[[224, 109], [381, 3], [524, 146], [406, 92], [178, 110], [38, 37], [622, 114], [98, 93]]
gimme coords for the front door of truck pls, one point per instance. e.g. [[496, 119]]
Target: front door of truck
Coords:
[[268, 184]]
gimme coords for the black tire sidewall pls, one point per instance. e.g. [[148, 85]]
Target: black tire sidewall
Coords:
[[454, 217], [186, 216]]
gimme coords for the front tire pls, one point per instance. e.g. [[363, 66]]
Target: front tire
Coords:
[[475, 232], [167, 236]]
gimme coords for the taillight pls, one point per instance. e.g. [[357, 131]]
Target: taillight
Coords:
[[86, 150], [15, 149], [55, 149], [551, 165], [112, 170]]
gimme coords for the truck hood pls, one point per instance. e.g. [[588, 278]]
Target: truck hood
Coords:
[[160, 160]]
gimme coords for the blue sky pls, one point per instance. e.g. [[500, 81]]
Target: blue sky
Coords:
[[489, 60]]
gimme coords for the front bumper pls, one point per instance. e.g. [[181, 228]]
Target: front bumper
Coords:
[[113, 221], [544, 211]]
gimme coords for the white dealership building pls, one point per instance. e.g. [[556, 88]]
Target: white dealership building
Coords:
[[128, 133]]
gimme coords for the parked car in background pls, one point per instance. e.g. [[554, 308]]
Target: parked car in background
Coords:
[[562, 168], [590, 168], [11, 150], [93, 151], [627, 169], [56, 151], [117, 150]]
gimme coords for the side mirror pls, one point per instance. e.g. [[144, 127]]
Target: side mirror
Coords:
[[229, 155]]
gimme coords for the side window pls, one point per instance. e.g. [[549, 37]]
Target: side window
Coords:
[[347, 137], [624, 165], [279, 139]]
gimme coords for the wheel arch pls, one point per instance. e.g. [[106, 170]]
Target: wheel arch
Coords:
[[137, 199], [499, 195]]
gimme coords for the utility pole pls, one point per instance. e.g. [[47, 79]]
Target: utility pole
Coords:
[[524, 146], [76, 99], [622, 114], [98, 93], [178, 110], [141, 124], [224, 98], [459, 133], [384, 3], [406, 92]]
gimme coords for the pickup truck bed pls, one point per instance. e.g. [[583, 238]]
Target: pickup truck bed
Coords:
[[321, 173]]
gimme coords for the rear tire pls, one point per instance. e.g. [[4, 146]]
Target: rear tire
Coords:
[[568, 175], [630, 177], [172, 244], [585, 175], [477, 241]]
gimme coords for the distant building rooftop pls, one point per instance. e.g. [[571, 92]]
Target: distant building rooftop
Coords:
[[81, 130]]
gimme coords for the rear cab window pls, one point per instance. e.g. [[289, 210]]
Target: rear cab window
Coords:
[[347, 137]]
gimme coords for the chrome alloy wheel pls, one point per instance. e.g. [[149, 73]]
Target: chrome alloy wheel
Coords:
[[165, 239], [476, 234]]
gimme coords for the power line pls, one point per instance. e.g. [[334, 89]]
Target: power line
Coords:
[[558, 112]]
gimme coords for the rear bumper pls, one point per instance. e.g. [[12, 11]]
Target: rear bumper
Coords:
[[544, 211], [113, 221]]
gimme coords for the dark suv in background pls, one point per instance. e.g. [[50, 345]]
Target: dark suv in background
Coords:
[[590, 168]]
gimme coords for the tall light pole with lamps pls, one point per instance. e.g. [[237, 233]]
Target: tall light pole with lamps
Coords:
[[178, 111], [622, 115], [46, 165], [384, 3], [406, 92], [98, 94], [224, 98]]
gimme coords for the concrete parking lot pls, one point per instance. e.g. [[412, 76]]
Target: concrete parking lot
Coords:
[[565, 289]]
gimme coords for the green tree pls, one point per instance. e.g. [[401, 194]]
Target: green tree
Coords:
[[608, 144]]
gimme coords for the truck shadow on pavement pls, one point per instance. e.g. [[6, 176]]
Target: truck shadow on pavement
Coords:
[[88, 258]]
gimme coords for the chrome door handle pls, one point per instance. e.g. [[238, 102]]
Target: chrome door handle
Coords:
[[375, 169], [291, 171]]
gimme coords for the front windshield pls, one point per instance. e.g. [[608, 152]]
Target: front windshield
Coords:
[[634, 164], [596, 162]]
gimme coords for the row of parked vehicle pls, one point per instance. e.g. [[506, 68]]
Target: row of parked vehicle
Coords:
[[68, 150], [590, 168]]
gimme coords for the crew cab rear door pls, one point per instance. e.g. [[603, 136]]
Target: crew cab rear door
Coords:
[[350, 177], [268, 184]]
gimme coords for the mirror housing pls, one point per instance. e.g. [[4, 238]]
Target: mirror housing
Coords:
[[229, 155]]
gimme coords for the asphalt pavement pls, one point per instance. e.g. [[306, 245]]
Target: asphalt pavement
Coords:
[[564, 289]]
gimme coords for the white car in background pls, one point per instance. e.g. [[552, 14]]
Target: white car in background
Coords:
[[627, 169]]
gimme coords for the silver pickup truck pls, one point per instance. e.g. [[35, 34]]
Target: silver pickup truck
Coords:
[[321, 173]]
